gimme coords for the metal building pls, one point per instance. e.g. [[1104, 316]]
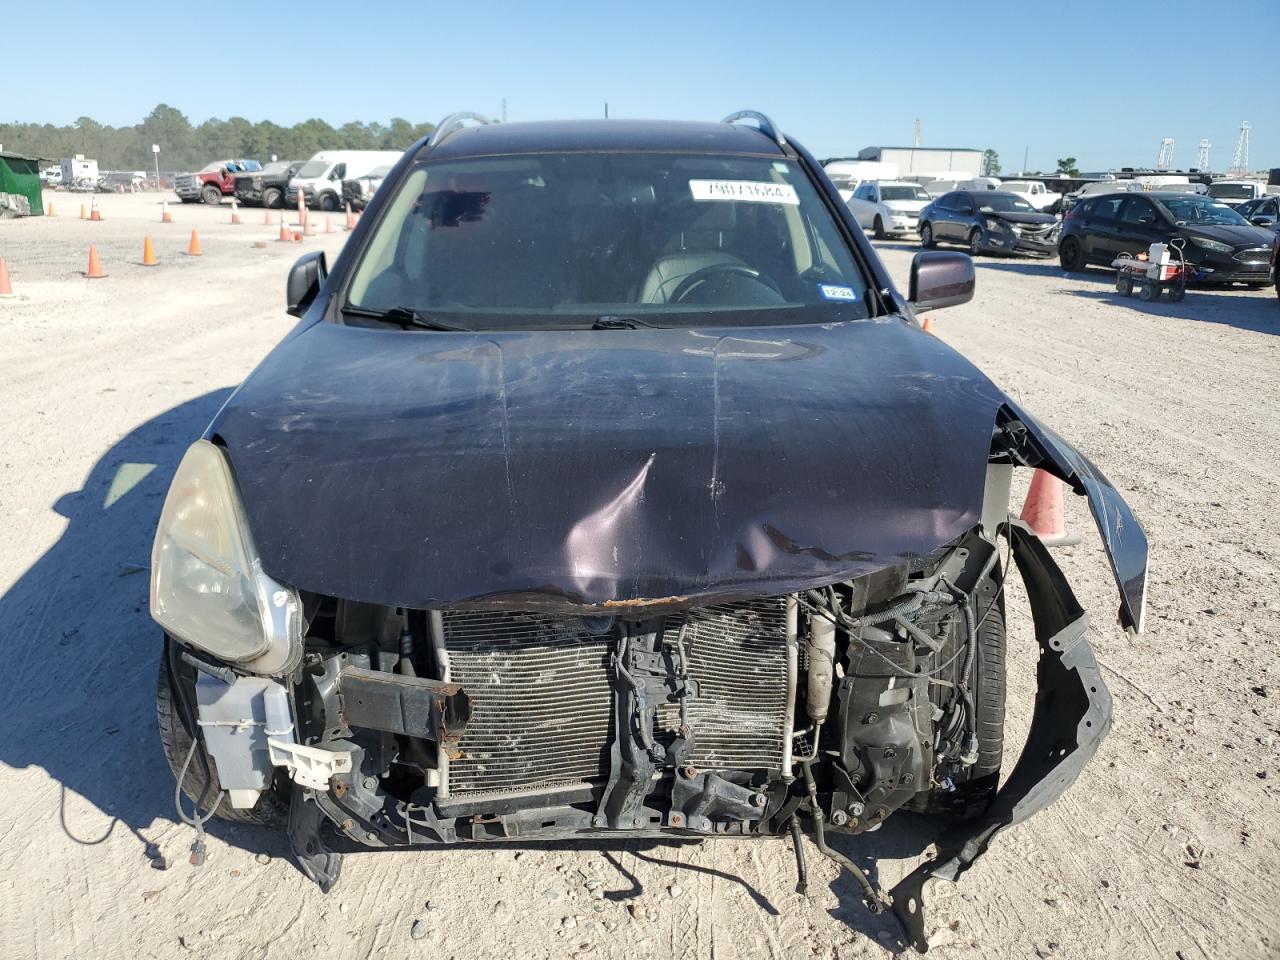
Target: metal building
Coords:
[[918, 160]]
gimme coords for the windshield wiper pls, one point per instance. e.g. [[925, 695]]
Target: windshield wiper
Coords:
[[622, 323], [404, 316]]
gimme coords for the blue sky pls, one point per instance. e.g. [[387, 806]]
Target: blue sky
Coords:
[[1103, 82]]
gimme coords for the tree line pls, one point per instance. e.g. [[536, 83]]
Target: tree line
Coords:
[[184, 146]]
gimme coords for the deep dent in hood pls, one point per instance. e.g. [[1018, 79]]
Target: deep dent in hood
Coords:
[[568, 468]]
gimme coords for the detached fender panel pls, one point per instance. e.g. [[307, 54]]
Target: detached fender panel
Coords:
[[1122, 535], [1072, 716]]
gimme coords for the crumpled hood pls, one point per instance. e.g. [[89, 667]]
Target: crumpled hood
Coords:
[[549, 468], [1240, 237]]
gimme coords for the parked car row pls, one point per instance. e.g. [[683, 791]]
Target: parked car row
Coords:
[[323, 180]]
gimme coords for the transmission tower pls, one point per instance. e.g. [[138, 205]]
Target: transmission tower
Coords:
[[1164, 160], [1240, 164], [917, 138], [1202, 155]]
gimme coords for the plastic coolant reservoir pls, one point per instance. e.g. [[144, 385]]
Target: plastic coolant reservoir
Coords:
[[237, 719]]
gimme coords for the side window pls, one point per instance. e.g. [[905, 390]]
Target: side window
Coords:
[[1268, 208], [339, 172], [861, 192], [1108, 208], [963, 203], [950, 202], [1138, 211], [873, 193], [1085, 209]]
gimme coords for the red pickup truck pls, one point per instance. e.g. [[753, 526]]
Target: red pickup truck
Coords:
[[215, 181]]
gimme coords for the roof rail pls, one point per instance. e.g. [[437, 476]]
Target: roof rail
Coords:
[[453, 122], [767, 126]]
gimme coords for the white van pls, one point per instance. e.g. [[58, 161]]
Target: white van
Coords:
[[320, 178], [847, 175], [1235, 192]]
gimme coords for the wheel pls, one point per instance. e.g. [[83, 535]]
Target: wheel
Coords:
[[175, 715], [976, 785], [271, 197], [1177, 292], [211, 195], [328, 202], [926, 236], [1147, 292], [879, 230], [1124, 285], [1071, 255], [975, 243]]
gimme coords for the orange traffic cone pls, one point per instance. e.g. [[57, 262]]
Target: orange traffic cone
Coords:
[[52, 212], [302, 207], [307, 228], [266, 217], [235, 214], [83, 214], [351, 218], [193, 248], [1043, 511], [95, 265], [927, 326], [148, 254], [6, 288], [93, 210], [286, 236], [328, 225], [165, 215]]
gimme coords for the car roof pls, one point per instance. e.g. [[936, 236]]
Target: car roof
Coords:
[[561, 136]]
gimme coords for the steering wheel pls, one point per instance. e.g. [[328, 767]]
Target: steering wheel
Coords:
[[699, 277]]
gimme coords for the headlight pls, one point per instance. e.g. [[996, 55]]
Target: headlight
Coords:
[[1214, 245], [208, 588], [998, 225]]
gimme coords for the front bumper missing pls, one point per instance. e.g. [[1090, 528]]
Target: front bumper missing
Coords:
[[1072, 715]]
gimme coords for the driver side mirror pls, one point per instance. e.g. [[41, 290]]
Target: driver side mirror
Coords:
[[940, 279], [966, 211], [305, 279], [1263, 221]]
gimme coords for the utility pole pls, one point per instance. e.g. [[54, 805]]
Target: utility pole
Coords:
[[606, 109], [504, 109], [1026, 151], [917, 140]]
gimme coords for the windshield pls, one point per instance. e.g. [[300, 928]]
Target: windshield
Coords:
[[1005, 203], [639, 238], [215, 167], [1200, 210], [1231, 191], [903, 193], [312, 169], [279, 166]]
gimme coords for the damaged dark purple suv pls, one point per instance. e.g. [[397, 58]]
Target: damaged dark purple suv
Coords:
[[607, 488]]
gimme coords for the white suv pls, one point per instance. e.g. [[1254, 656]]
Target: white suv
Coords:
[[888, 206]]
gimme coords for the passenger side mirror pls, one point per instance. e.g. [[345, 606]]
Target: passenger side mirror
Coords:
[[305, 279], [1262, 221], [940, 279]]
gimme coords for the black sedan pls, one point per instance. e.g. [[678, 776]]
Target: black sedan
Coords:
[[988, 221], [1222, 245], [1262, 212], [609, 489]]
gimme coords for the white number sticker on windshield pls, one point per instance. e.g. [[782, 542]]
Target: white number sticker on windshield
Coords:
[[749, 191]]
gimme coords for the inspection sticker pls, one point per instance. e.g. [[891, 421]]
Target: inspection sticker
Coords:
[[832, 291], [750, 191]]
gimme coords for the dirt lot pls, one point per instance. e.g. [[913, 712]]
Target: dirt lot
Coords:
[[1168, 846]]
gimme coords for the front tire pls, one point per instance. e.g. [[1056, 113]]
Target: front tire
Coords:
[[175, 714], [1071, 255], [211, 196], [975, 243], [976, 786], [926, 237], [328, 202], [879, 230], [271, 197]]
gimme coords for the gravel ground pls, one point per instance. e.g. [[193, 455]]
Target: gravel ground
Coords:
[[1167, 847]]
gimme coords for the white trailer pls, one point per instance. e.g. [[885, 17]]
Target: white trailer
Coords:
[[78, 168]]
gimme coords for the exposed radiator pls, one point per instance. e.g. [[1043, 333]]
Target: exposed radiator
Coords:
[[541, 704], [541, 698], [738, 656]]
